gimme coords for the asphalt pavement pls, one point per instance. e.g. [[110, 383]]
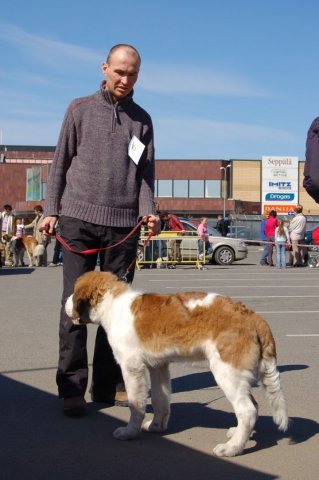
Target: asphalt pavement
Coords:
[[38, 442]]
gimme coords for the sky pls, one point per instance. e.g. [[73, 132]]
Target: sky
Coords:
[[221, 79]]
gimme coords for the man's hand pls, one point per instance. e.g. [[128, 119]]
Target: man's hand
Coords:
[[50, 222], [153, 223]]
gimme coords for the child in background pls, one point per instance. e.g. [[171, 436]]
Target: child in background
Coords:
[[20, 231], [281, 239], [202, 233]]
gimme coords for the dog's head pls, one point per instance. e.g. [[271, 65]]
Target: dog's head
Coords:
[[89, 291], [6, 238]]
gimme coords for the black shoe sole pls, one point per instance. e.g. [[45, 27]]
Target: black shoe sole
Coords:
[[75, 412]]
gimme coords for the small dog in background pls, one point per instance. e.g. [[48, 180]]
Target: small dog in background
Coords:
[[148, 331]]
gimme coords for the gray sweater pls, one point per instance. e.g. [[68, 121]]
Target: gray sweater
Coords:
[[91, 168]]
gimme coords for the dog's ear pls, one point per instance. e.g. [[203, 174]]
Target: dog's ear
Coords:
[[82, 308]]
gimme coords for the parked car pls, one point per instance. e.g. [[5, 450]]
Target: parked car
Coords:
[[225, 250]]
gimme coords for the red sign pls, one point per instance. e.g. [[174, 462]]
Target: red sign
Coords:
[[280, 209]]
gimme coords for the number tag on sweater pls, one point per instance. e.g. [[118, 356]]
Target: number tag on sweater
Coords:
[[135, 149]]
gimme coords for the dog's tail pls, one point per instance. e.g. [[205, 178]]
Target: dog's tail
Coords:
[[269, 374]]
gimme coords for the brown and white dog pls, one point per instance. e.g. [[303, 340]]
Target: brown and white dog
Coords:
[[33, 249], [147, 331]]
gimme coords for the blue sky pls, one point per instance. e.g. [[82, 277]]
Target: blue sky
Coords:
[[221, 79]]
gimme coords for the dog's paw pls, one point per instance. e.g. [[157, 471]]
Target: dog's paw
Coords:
[[230, 432], [153, 426], [125, 433], [226, 450]]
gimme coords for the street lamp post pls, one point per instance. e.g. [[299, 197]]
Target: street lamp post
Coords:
[[225, 185]]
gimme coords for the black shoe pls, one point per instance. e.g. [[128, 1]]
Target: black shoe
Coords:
[[74, 406]]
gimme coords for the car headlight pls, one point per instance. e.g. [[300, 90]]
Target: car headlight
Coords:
[[242, 244]]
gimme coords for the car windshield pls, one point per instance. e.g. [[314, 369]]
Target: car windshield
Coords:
[[213, 232]]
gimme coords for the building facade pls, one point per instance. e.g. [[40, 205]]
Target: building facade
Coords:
[[185, 187]]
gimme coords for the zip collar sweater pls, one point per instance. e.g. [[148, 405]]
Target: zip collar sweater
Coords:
[[92, 169]]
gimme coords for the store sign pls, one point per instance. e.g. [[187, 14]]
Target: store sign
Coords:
[[279, 183]]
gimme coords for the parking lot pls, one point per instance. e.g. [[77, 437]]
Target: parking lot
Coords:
[[38, 442]]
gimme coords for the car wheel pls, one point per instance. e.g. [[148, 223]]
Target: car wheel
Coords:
[[224, 256]]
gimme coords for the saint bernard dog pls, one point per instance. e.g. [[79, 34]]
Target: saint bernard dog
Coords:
[[148, 331], [34, 251]]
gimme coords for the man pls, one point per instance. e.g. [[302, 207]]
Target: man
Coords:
[[40, 237], [174, 225], [220, 224], [104, 168], [297, 231], [7, 232]]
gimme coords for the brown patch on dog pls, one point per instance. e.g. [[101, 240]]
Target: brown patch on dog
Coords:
[[162, 321], [90, 288]]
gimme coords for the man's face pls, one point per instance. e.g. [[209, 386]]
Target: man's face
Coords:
[[121, 73], [7, 211]]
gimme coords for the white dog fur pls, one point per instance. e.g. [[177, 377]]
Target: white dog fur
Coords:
[[147, 331]]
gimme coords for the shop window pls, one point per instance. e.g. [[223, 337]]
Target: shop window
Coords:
[[180, 188]]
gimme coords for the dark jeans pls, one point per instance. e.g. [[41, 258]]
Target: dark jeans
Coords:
[[57, 253], [271, 241], [72, 374]]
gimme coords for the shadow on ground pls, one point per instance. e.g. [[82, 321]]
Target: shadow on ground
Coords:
[[38, 442]]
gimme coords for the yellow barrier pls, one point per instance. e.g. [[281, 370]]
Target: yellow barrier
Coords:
[[169, 249]]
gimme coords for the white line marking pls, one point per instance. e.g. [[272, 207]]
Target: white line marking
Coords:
[[287, 311], [304, 335], [259, 286]]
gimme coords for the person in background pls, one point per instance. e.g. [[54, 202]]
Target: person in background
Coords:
[[220, 224], [264, 256], [297, 230], [226, 225], [173, 224], [8, 228], [57, 255], [19, 233], [104, 168], [270, 228], [223, 224], [40, 237], [281, 240], [203, 242]]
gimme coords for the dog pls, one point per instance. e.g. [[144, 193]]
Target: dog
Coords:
[[34, 251], [147, 331]]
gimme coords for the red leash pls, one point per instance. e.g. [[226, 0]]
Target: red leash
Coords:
[[95, 250]]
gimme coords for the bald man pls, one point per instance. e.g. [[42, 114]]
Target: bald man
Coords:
[[104, 169]]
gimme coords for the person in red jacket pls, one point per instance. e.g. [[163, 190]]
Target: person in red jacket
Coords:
[[173, 224], [270, 228]]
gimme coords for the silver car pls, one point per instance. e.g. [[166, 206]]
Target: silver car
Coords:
[[163, 247], [225, 250]]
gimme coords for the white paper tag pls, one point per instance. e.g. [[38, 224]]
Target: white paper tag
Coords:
[[135, 149]]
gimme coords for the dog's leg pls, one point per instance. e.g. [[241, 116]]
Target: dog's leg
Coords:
[[236, 386], [160, 390], [136, 384], [30, 258], [16, 259]]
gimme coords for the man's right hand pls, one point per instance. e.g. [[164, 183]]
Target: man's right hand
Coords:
[[49, 221]]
